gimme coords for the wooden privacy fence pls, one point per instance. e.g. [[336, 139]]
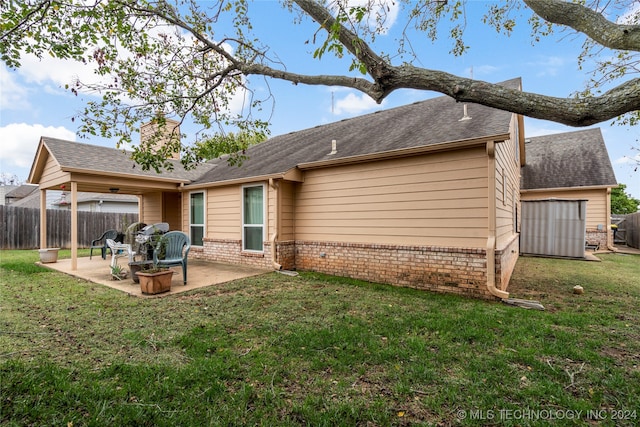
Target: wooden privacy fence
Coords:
[[632, 227], [20, 227]]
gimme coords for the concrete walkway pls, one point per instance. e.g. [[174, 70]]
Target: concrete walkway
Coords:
[[624, 249], [199, 274]]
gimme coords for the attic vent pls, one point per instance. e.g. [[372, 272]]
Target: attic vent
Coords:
[[334, 147], [465, 116]]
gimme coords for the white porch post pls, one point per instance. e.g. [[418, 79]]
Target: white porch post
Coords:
[[74, 225], [43, 218]]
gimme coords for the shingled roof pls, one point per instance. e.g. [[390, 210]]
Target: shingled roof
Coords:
[[572, 159], [436, 121], [21, 191], [425, 123], [81, 156]]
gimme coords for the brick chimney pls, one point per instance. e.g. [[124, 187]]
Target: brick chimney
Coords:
[[171, 130]]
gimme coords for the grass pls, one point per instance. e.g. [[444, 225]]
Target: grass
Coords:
[[320, 350]]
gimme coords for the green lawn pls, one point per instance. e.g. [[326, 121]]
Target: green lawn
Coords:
[[319, 350]]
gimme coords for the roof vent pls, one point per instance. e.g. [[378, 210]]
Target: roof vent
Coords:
[[465, 116], [527, 140], [334, 147]]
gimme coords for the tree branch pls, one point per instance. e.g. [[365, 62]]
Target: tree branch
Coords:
[[44, 6], [377, 67], [588, 22], [569, 111]]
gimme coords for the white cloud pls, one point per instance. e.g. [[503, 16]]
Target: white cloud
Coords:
[[549, 65], [628, 160], [20, 141], [354, 104], [13, 96], [57, 71]]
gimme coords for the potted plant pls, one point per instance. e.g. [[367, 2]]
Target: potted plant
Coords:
[[155, 280], [118, 273], [137, 266]]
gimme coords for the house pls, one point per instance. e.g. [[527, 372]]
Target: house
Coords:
[[572, 165], [424, 195], [99, 202], [4, 190], [16, 193]]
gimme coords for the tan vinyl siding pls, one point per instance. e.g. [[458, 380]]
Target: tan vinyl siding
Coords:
[[438, 199], [287, 211], [507, 191], [224, 213], [596, 203], [185, 213], [152, 208], [52, 175]]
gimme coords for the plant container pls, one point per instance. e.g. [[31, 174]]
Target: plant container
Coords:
[[155, 283], [137, 266], [48, 255]]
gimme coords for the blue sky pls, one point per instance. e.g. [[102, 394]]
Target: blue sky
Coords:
[[34, 103]]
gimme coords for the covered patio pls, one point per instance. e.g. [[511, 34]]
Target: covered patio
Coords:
[[76, 167], [200, 274]]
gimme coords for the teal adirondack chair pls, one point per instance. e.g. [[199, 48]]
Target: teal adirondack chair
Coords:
[[172, 250]]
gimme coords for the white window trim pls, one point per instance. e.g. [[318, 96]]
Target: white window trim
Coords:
[[204, 215], [264, 217]]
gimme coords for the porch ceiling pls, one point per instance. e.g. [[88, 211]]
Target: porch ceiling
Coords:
[[108, 183]]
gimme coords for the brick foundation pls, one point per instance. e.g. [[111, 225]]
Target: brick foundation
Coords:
[[286, 254], [439, 269], [598, 236], [230, 251], [506, 259], [434, 268]]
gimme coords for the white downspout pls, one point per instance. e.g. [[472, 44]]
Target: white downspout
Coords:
[[491, 239], [276, 224]]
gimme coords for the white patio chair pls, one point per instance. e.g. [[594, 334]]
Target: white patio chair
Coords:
[[119, 250]]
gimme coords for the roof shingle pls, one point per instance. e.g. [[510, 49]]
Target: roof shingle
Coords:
[[430, 122], [77, 155], [572, 159]]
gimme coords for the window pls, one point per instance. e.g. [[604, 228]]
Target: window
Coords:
[[253, 218], [196, 218]]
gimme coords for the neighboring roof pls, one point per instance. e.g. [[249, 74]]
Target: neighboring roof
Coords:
[[21, 191], [81, 156], [4, 190], [33, 199], [30, 201], [84, 197], [426, 123], [572, 159], [107, 197]]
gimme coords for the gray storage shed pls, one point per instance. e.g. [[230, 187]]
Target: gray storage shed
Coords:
[[553, 227]]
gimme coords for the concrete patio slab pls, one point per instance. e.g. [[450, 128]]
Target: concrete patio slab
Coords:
[[199, 274]]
